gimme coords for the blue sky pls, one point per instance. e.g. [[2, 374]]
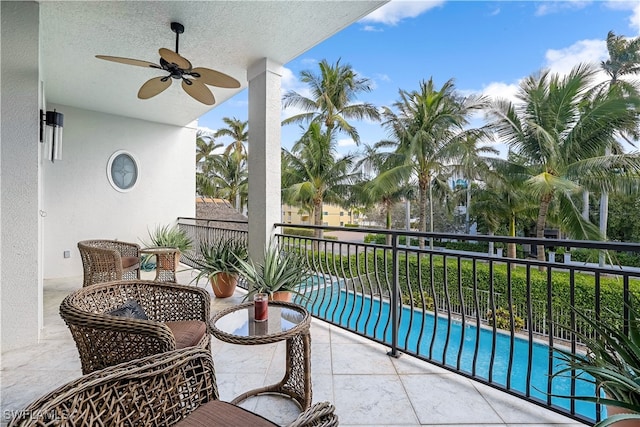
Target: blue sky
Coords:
[[484, 46]]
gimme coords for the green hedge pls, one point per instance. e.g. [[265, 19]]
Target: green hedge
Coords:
[[423, 294], [617, 258]]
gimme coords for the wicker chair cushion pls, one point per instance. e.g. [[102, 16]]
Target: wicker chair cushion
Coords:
[[129, 261], [217, 413], [130, 309], [187, 332]]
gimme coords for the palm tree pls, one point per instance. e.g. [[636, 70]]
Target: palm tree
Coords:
[[229, 175], [332, 99], [238, 131], [205, 145], [205, 186], [314, 174], [471, 161], [503, 198], [427, 121], [561, 128], [624, 58], [370, 191]]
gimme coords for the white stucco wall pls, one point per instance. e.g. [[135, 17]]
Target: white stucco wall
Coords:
[[79, 202], [20, 282]]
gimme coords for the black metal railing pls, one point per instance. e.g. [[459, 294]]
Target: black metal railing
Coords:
[[495, 319], [210, 230]]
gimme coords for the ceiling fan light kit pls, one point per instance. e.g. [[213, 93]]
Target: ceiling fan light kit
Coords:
[[194, 80]]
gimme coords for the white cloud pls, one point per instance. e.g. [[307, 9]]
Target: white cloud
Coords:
[[383, 77], [501, 90], [395, 11], [372, 28], [558, 61], [561, 61], [346, 142], [309, 61], [583, 51], [549, 7], [207, 131], [633, 6]]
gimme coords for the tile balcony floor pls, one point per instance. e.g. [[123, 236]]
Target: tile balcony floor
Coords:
[[367, 387]]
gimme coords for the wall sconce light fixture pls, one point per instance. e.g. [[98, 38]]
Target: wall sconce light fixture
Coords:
[[51, 124]]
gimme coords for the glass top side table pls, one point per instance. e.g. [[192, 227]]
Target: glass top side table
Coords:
[[286, 321]]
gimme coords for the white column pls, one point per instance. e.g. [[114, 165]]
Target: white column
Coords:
[[20, 277], [264, 153]]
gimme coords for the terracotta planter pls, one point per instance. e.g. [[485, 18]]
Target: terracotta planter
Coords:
[[281, 296], [615, 410], [224, 284]]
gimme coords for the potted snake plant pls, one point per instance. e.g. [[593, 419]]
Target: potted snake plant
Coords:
[[219, 262], [611, 363]]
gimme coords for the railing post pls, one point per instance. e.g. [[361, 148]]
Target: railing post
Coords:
[[395, 290]]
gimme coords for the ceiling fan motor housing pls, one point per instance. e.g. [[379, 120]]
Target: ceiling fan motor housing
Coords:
[[177, 27]]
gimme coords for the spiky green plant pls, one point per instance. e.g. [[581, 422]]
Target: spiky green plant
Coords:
[[168, 236], [612, 362], [220, 256], [279, 271]]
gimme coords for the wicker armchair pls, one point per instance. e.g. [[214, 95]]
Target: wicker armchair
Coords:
[[109, 260], [175, 388], [177, 318]]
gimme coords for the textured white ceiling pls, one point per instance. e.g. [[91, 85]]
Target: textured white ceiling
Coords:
[[228, 36]]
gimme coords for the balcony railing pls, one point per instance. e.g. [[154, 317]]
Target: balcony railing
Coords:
[[495, 319]]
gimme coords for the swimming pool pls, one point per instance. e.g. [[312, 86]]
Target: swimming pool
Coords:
[[370, 316]]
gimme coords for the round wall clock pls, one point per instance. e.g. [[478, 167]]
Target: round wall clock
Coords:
[[122, 171]]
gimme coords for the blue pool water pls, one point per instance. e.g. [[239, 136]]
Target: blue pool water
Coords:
[[370, 317]]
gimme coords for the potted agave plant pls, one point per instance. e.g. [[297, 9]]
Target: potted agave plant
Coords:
[[279, 275], [219, 262], [168, 236], [612, 363]]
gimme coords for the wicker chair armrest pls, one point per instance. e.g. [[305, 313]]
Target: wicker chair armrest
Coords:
[[319, 415], [126, 325], [116, 395], [105, 252], [126, 248]]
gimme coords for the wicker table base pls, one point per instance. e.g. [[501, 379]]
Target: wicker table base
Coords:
[[166, 263], [293, 326]]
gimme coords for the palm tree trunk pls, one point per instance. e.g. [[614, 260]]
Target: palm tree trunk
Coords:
[[388, 220], [545, 201], [430, 214], [511, 247], [604, 216], [466, 213], [317, 217], [317, 220], [585, 205], [422, 212]]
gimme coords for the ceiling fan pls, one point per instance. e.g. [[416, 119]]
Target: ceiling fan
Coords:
[[194, 80]]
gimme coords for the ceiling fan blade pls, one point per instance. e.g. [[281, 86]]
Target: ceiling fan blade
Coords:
[[174, 58], [215, 78], [198, 91], [129, 61], [153, 87]]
